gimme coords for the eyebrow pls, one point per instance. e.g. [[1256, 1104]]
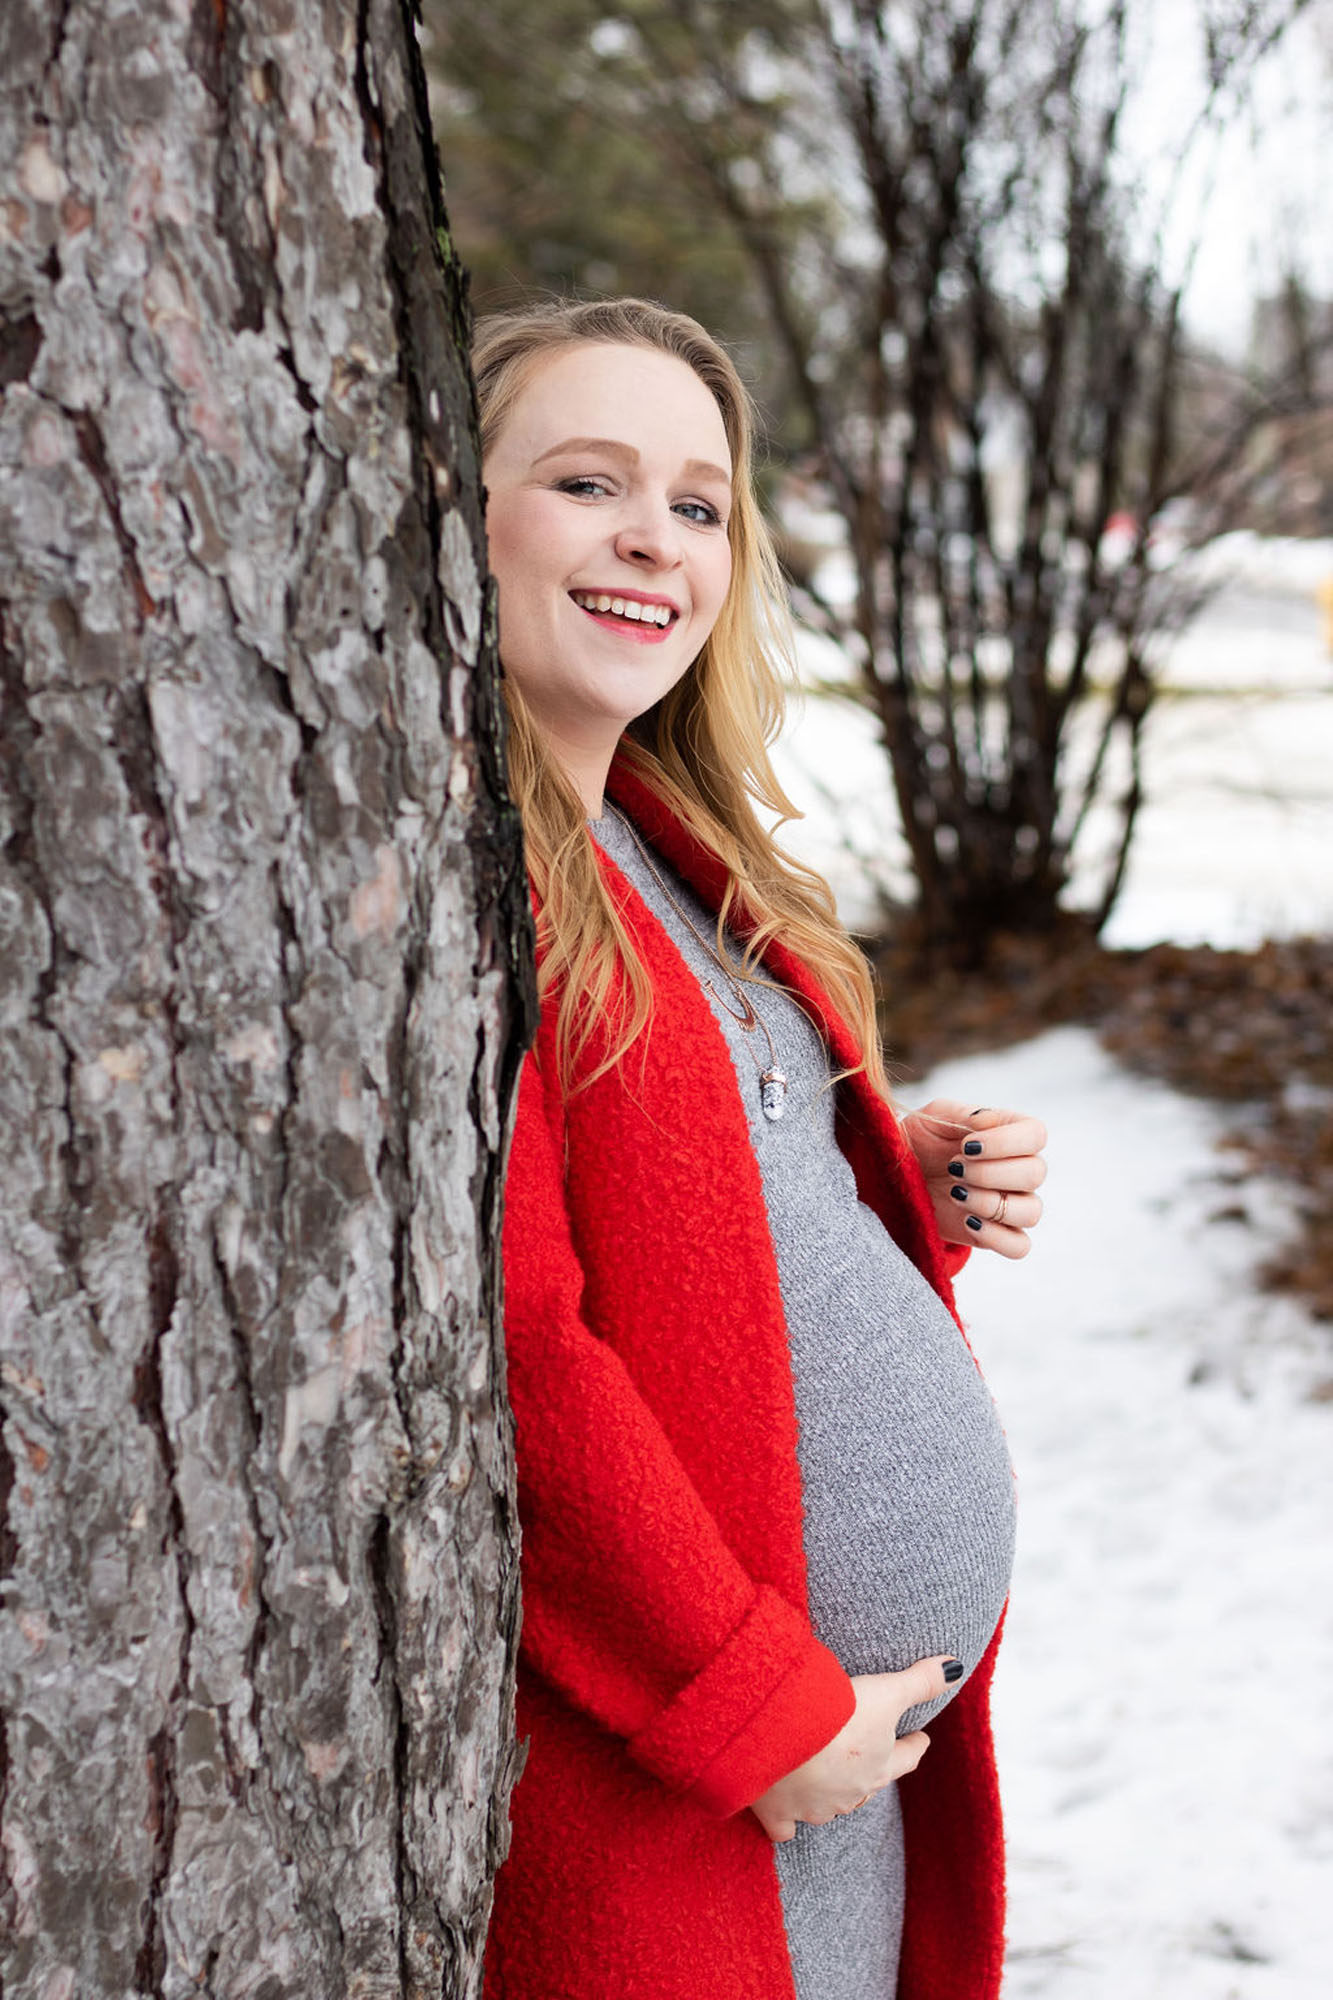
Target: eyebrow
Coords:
[[695, 468]]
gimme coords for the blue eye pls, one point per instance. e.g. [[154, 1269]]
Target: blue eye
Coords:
[[578, 483], [709, 516]]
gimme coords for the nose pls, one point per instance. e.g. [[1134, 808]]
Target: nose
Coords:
[[650, 536]]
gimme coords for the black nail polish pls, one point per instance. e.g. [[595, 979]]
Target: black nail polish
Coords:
[[972, 1146], [972, 1221], [953, 1670], [957, 1169], [959, 1194]]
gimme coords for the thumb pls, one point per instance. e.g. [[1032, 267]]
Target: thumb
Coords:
[[941, 1120], [778, 1826], [929, 1678], [986, 1117]]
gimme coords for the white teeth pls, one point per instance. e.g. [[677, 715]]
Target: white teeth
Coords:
[[623, 607]]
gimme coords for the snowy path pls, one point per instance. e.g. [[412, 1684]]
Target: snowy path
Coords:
[[1164, 1704]]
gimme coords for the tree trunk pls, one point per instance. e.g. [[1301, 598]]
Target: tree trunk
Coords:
[[263, 981]]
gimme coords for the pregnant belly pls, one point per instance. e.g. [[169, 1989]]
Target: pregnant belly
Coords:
[[908, 1489]]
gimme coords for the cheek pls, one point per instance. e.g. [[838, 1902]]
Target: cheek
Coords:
[[519, 545], [719, 577], [502, 546]]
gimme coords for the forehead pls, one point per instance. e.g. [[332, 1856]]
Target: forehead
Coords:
[[636, 395]]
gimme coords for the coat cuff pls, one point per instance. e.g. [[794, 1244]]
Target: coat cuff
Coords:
[[723, 1747]]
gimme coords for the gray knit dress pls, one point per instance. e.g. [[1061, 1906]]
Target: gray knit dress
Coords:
[[907, 1486]]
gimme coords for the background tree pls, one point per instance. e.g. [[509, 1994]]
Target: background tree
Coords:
[[966, 337], [263, 987], [570, 167]]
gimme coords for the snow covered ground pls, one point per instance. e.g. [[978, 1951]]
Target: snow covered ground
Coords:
[[1162, 1705]]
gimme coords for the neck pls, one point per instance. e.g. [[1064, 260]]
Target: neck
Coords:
[[585, 766]]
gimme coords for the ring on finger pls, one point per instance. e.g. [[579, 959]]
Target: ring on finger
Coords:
[[999, 1214]]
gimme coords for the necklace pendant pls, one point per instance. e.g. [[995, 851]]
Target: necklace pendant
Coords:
[[773, 1093]]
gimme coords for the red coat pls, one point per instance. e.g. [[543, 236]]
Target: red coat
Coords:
[[668, 1673]]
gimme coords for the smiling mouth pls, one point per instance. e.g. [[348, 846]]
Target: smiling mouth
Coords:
[[604, 604]]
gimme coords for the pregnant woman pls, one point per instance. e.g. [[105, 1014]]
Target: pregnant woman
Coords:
[[766, 1502]]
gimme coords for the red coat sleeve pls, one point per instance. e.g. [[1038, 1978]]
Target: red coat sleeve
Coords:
[[633, 1604]]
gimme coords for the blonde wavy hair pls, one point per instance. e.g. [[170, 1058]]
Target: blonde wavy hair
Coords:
[[703, 748]]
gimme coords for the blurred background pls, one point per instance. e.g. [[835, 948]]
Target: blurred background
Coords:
[[1037, 302]]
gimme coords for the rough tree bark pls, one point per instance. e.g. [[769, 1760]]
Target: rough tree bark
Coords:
[[263, 987]]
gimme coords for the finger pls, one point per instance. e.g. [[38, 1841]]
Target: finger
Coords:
[[908, 1752], [945, 1117], [1021, 1211], [925, 1679], [1018, 1176], [998, 1236], [987, 1117], [1011, 1137], [1018, 1211], [1001, 1177], [776, 1829]]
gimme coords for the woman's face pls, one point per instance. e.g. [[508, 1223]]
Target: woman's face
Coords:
[[609, 489]]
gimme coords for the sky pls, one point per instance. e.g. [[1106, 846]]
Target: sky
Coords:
[[1260, 197]]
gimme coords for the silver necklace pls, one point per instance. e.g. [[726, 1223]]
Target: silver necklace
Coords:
[[773, 1080]]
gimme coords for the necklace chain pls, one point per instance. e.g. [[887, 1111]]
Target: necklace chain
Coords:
[[773, 1080]]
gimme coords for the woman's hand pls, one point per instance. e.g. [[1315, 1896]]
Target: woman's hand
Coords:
[[983, 1169], [865, 1755]]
